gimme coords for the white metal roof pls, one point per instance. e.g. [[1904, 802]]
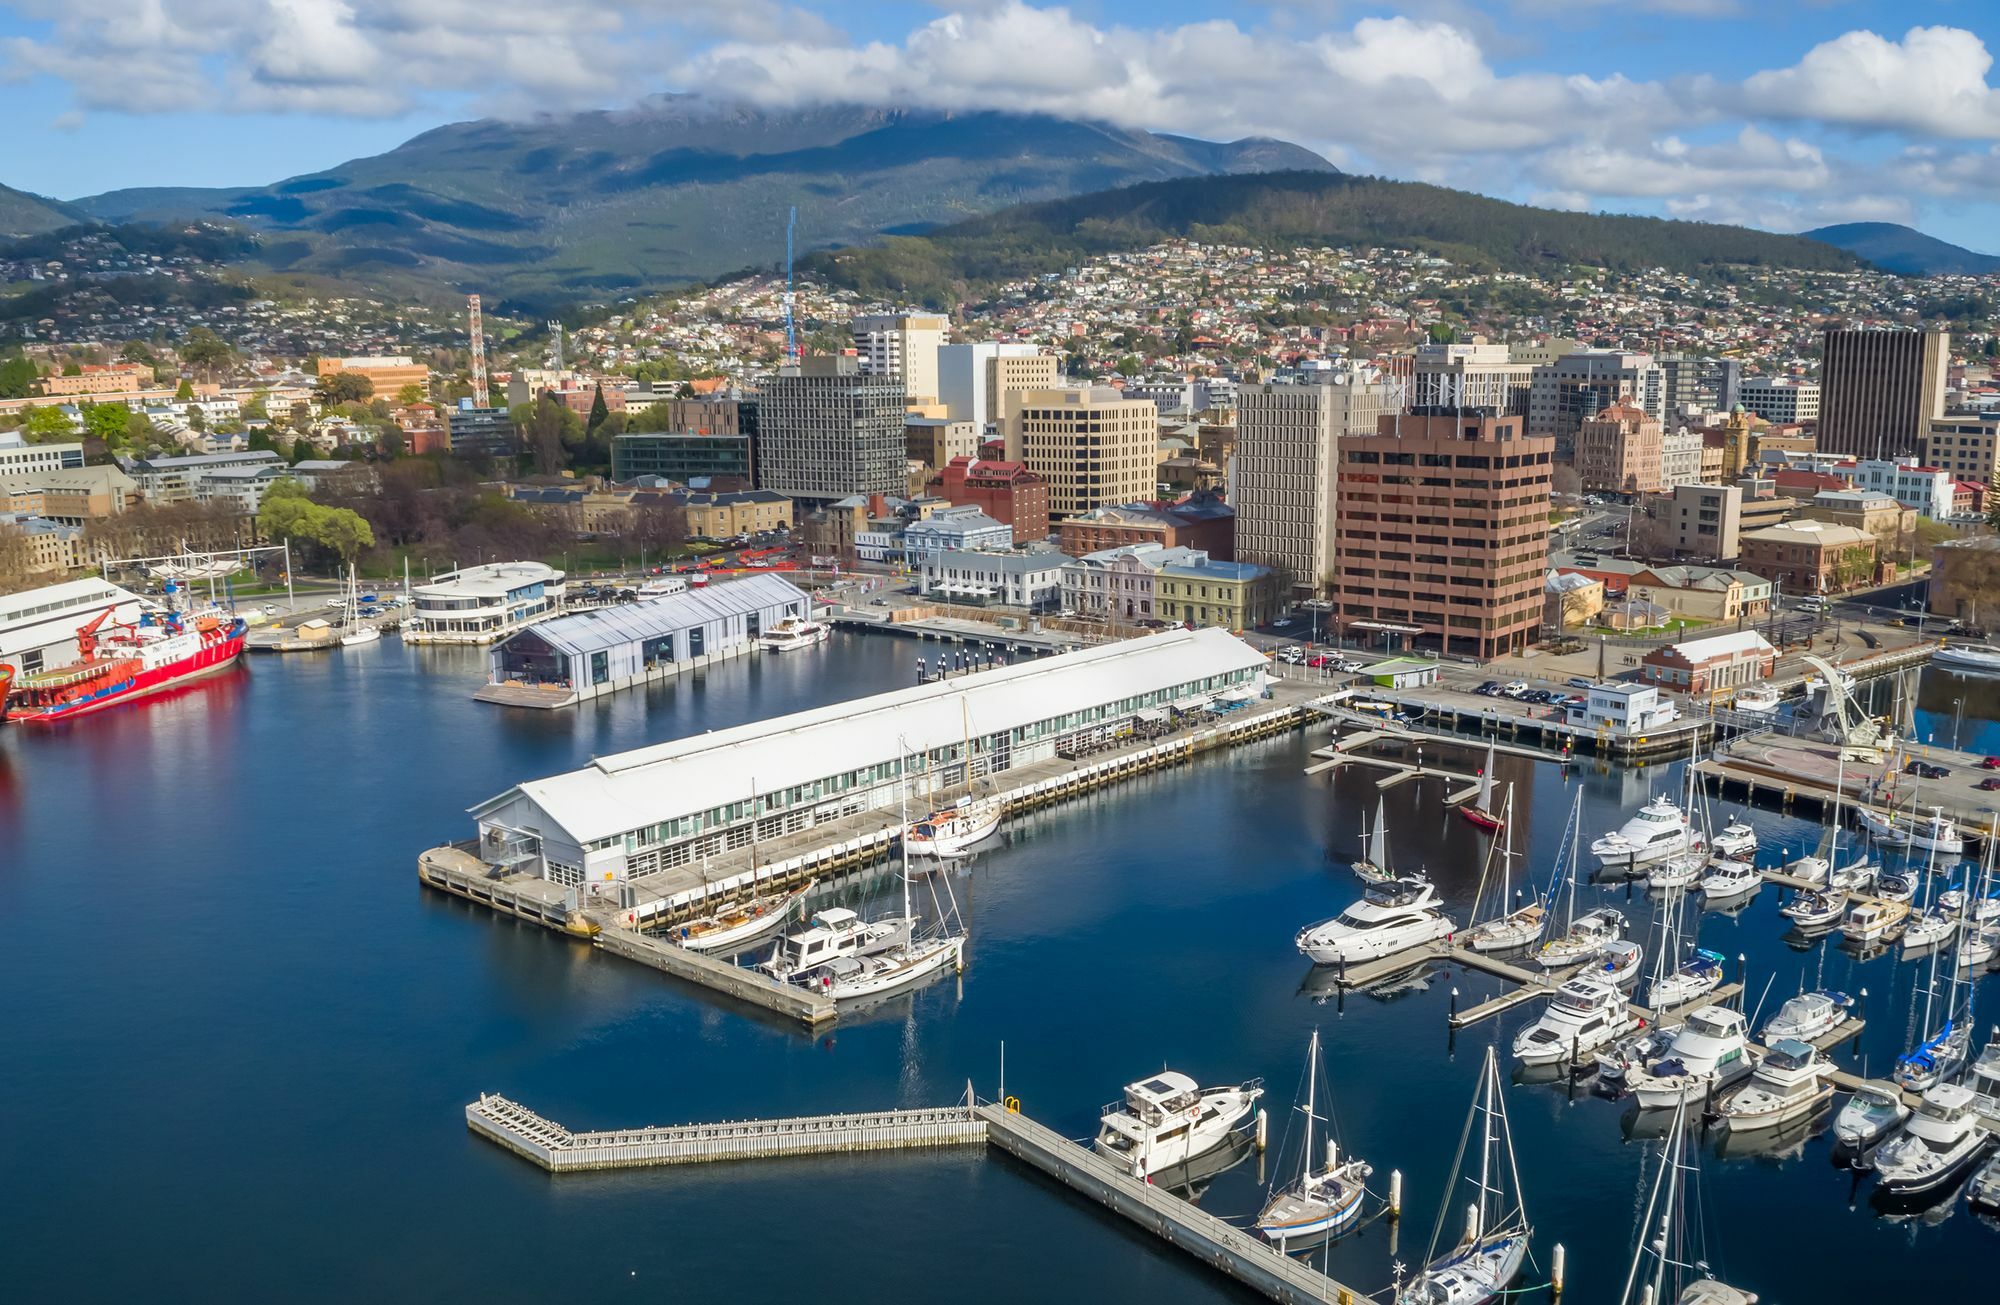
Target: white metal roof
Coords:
[[608, 627], [643, 787], [1723, 645]]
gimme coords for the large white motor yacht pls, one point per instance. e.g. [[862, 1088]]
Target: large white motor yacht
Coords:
[[1584, 1015], [1167, 1120], [787, 636], [1941, 1142], [1658, 831], [1712, 1048], [1389, 918]]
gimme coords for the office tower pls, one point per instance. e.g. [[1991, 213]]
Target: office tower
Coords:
[[975, 379], [1443, 531], [1577, 386], [1479, 375], [901, 347], [1621, 451], [825, 431], [1091, 444], [1880, 390], [1780, 399], [1287, 436], [1680, 386]]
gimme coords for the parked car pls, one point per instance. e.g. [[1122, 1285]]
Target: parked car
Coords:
[[1990, 784], [1514, 690], [1991, 763], [1925, 770], [1281, 623], [1291, 656], [1321, 662], [1488, 689], [1580, 681]]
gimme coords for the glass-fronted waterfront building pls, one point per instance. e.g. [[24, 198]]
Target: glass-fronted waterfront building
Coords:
[[638, 813], [479, 604]]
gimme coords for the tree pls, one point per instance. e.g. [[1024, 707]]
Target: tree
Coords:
[[599, 410], [71, 367], [1129, 365], [204, 349], [138, 430], [184, 391], [546, 429], [409, 394], [1993, 503], [106, 421], [345, 387], [17, 378], [289, 514], [135, 351], [39, 424]]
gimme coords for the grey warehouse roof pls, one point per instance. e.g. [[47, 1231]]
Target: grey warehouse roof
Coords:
[[609, 627]]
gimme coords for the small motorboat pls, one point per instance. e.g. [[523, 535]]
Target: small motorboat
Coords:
[[1812, 870], [1697, 976], [1983, 1192], [1856, 877], [1728, 880], [1940, 1143], [1874, 920], [1967, 657], [1736, 840], [1808, 1017], [1789, 1084], [1814, 909], [1760, 700], [1871, 1116], [1937, 833], [1618, 962], [1895, 888], [1675, 872]]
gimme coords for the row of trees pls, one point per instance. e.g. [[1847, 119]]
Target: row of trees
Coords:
[[319, 534]]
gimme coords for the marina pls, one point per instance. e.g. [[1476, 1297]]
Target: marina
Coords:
[[1225, 848]]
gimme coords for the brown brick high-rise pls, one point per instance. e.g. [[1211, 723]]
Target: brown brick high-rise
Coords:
[[1444, 527]]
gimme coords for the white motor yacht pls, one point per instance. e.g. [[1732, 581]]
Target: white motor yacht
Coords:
[[1166, 1120], [1811, 868], [1808, 1017], [1884, 828], [1683, 871], [1711, 1050], [1737, 839], [1984, 1080], [1874, 1113], [1635, 1051], [1967, 657], [953, 831], [832, 933], [1757, 700], [1586, 938], [850, 978], [1389, 918], [1730, 880], [1659, 830], [1789, 1084], [1937, 833], [1584, 1014], [791, 635], [1983, 1192], [1938, 1146], [1926, 928]]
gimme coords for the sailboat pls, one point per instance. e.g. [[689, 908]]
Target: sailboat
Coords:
[[1680, 1272], [352, 629], [1373, 867], [953, 830], [1490, 1254], [1698, 975], [1581, 936], [915, 958], [1320, 1201], [1522, 926], [1941, 1056], [1480, 810], [1817, 867], [1928, 922]]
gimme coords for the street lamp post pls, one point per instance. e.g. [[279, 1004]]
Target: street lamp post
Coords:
[[1957, 719]]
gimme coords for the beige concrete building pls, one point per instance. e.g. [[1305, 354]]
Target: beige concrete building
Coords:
[[1966, 445], [1619, 451], [1287, 438], [902, 347], [1011, 375], [1699, 522], [1091, 445], [1811, 557], [1875, 514], [388, 373], [1881, 390], [935, 441]]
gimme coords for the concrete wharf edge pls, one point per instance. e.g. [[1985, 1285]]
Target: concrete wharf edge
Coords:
[[1207, 1238]]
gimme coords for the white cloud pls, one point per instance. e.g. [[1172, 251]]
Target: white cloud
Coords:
[[1753, 161], [1932, 82], [1777, 212], [1569, 201]]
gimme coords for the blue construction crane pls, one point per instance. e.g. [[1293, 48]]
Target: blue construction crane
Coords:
[[791, 339]]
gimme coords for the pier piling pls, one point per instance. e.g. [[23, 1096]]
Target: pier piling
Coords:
[[1395, 1193]]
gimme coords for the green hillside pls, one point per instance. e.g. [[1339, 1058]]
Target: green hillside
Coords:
[[23, 214], [1903, 250], [1287, 209]]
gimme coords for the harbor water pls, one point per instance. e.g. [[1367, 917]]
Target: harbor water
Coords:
[[240, 1036]]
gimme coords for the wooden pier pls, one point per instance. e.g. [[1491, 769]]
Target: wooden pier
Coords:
[[1210, 1240]]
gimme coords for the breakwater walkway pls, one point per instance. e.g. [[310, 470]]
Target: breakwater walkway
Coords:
[[1208, 1239]]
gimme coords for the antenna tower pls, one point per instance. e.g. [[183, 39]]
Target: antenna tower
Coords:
[[791, 334], [556, 334], [478, 332]]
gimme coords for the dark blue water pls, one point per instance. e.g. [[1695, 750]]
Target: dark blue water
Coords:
[[239, 1035]]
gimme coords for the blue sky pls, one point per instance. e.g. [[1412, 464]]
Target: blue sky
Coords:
[[1785, 114]]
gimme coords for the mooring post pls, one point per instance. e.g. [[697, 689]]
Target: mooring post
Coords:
[[1395, 1193], [1263, 1128], [1557, 1270]]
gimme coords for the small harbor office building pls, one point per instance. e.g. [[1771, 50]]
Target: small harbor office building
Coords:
[[479, 604], [639, 813], [597, 652]]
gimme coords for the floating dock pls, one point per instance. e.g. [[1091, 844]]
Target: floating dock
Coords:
[[1209, 1239]]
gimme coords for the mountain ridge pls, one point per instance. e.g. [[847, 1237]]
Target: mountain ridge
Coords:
[[23, 213], [1905, 250]]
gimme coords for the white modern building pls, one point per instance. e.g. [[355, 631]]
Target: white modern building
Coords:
[[479, 604], [1283, 481], [1927, 489], [38, 626], [1622, 709], [639, 813], [1780, 399], [243, 488], [17, 457], [178, 480], [974, 380], [1680, 458], [602, 651], [953, 529], [902, 347], [1030, 580]]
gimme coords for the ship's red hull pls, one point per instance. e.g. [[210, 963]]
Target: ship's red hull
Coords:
[[211, 659], [1484, 819]]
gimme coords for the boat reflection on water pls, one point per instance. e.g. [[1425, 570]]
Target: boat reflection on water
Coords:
[[1784, 1143], [1801, 939], [1322, 983], [1190, 1180]]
